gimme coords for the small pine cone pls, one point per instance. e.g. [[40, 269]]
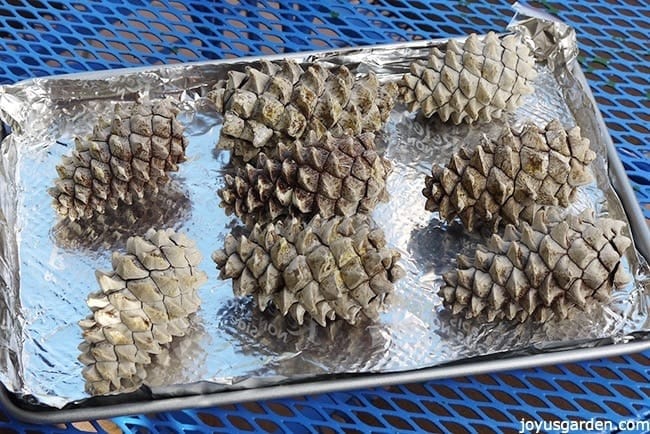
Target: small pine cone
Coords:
[[120, 159], [281, 102], [143, 303], [506, 178], [540, 270], [328, 176], [328, 268], [477, 81]]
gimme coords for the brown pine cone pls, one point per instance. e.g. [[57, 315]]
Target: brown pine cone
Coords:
[[123, 157], [504, 179], [282, 102], [325, 176], [539, 271], [477, 81], [328, 268], [143, 304]]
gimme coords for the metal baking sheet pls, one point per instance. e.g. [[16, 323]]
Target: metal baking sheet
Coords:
[[239, 354]]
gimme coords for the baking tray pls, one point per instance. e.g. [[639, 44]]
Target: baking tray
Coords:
[[141, 402]]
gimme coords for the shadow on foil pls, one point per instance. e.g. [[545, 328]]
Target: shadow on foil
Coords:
[[297, 350], [179, 361]]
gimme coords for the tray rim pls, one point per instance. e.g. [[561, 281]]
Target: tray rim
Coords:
[[313, 387], [621, 185]]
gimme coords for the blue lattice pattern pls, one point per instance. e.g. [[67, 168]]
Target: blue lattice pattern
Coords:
[[615, 389], [44, 37], [607, 390]]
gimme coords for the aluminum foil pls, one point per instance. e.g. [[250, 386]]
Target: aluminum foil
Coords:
[[47, 265]]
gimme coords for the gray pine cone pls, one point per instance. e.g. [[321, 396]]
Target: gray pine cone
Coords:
[[282, 101], [541, 270], [121, 158], [504, 179], [328, 268], [143, 303], [477, 81], [328, 176]]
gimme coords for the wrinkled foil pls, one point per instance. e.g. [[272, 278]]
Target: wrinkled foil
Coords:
[[47, 265]]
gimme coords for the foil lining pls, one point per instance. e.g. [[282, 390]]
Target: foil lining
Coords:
[[47, 265]]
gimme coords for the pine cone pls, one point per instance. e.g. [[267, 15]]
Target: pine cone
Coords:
[[540, 270], [475, 82], [143, 303], [328, 177], [281, 102], [120, 159], [111, 229], [504, 179], [328, 268]]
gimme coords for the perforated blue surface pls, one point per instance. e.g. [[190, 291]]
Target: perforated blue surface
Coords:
[[43, 37]]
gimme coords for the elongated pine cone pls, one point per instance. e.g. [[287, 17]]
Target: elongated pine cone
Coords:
[[123, 157], [143, 304], [328, 176], [504, 179], [282, 101], [328, 268], [541, 270], [477, 81]]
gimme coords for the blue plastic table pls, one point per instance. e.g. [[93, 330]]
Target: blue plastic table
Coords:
[[44, 37]]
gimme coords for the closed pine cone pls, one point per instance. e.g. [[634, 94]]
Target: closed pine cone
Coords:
[[539, 271], [282, 101], [143, 303], [328, 176], [123, 157], [327, 268], [477, 81], [504, 179]]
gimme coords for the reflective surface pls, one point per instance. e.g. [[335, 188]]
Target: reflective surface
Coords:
[[50, 264]]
